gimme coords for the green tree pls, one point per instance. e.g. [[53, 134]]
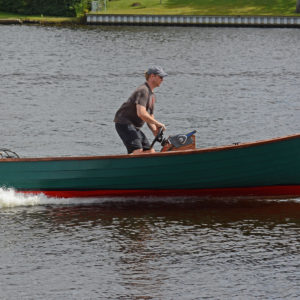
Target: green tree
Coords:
[[67, 8]]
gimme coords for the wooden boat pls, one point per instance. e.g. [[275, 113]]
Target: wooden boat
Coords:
[[263, 168]]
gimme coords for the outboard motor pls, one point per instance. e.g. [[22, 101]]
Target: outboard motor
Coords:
[[179, 142]]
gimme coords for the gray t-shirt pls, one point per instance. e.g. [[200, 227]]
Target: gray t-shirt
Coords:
[[127, 113]]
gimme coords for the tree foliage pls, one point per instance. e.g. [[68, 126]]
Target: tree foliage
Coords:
[[68, 8]]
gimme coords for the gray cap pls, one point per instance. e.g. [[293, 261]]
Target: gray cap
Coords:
[[157, 70]]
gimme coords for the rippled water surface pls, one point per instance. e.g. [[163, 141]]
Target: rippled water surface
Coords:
[[60, 88], [163, 250]]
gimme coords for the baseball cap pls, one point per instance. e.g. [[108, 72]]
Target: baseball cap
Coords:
[[157, 70]]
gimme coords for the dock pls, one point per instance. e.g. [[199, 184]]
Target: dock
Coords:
[[180, 20]]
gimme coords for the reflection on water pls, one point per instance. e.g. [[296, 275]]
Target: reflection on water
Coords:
[[154, 250], [217, 213]]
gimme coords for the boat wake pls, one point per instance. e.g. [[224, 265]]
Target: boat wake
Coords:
[[9, 198]]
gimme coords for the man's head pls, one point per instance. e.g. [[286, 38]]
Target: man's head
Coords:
[[157, 70], [154, 75]]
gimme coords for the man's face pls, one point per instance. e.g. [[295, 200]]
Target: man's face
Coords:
[[157, 80]]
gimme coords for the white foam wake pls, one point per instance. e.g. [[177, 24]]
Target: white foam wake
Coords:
[[10, 198]]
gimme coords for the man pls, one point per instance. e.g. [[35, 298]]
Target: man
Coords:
[[137, 111]]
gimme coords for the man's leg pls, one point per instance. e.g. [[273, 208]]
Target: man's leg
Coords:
[[145, 143], [130, 137]]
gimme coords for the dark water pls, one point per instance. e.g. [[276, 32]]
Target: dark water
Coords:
[[201, 250], [60, 88]]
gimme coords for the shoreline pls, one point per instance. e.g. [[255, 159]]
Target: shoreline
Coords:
[[163, 20], [43, 21]]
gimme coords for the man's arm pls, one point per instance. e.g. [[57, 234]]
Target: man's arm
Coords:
[[149, 119], [153, 127]]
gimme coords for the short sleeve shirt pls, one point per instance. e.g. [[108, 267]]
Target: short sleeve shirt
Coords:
[[127, 113]]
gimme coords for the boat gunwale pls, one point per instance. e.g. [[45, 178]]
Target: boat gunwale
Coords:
[[156, 154]]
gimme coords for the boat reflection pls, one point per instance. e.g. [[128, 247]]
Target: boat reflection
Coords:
[[192, 211]]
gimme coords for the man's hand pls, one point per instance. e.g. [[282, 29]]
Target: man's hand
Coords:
[[160, 125], [156, 131]]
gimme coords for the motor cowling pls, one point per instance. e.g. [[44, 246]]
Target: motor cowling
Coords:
[[179, 142]]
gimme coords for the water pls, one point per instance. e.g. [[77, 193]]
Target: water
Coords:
[[163, 250], [60, 88]]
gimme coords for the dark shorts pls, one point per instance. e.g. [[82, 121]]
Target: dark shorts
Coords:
[[132, 137]]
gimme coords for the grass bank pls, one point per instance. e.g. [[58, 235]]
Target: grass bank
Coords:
[[39, 19], [203, 7], [176, 7]]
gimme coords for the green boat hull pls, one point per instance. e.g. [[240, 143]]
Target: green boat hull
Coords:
[[264, 168]]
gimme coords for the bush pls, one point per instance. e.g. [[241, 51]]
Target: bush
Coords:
[[66, 8], [82, 6]]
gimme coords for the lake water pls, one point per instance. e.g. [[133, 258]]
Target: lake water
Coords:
[[60, 88]]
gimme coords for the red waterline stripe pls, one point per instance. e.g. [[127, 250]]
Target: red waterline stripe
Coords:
[[289, 190]]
